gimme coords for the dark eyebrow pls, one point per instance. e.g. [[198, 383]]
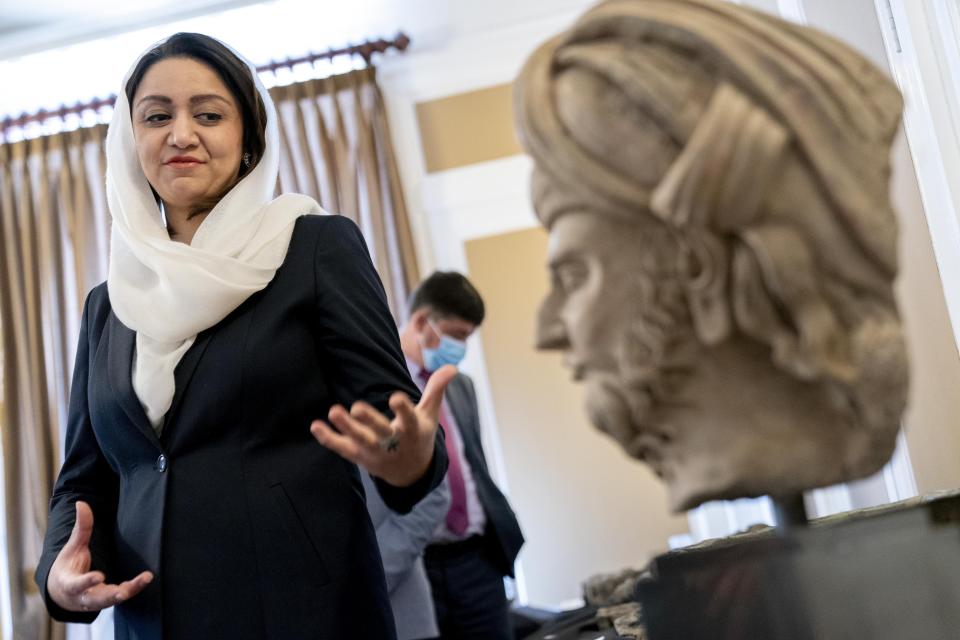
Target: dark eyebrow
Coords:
[[193, 100], [208, 96], [163, 99]]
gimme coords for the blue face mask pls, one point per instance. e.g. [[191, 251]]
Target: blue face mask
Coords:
[[449, 351]]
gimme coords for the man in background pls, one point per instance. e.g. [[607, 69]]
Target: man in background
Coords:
[[476, 539]]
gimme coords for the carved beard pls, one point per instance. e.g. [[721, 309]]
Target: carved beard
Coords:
[[654, 360]]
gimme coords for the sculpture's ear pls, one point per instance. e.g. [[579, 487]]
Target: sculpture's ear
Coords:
[[705, 271]]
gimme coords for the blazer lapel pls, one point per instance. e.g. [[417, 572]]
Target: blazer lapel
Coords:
[[184, 372], [463, 412], [119, 371]]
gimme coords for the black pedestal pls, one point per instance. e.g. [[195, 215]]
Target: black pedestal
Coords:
[[888, 575]]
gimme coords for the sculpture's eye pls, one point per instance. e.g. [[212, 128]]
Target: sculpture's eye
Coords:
[[570, 275]]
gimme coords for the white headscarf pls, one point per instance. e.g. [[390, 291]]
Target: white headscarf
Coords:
[[168, 291]]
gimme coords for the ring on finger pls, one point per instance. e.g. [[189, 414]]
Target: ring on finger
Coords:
[[83, 601], [390, 443]]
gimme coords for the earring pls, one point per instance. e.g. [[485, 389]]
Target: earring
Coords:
[[246, 159]]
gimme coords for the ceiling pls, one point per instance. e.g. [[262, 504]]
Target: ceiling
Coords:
[[35, 25], [31, 26]]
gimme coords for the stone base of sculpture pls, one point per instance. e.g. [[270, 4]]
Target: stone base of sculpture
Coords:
[[886, 574]]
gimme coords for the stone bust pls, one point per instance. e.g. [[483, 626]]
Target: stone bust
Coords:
[[722, 245]]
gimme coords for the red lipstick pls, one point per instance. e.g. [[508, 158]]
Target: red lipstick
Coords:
[[183, 161]]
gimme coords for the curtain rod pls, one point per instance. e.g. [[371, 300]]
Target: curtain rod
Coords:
[[365, 50]]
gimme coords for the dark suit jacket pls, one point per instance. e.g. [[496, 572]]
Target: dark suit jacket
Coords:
[[502, 536], [253, 529]]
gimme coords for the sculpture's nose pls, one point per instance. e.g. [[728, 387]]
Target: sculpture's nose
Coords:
[[551, 332]]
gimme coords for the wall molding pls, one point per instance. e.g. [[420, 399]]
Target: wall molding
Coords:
[[919, 73]]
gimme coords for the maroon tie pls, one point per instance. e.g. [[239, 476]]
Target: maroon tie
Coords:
[[457, 518]]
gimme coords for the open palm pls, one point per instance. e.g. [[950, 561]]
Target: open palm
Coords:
[[397, 450], [70, 582]]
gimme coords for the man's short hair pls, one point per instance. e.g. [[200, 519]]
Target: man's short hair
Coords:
[[448, 293]]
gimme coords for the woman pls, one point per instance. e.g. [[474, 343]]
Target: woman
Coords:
[[192, 495]]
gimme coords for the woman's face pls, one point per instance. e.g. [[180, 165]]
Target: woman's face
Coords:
[[188, 131]]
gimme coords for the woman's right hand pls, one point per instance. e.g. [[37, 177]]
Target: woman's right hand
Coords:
[[71, 584]]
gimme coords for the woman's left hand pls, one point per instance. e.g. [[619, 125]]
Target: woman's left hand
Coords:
[[397, 451]]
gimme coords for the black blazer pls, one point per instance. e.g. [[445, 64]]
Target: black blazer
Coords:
[[252, 529], [503, 537]]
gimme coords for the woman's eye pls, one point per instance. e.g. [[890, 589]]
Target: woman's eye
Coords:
[[156, 117], [209, 117]]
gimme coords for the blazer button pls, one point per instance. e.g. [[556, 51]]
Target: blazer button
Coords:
[[161, 464]]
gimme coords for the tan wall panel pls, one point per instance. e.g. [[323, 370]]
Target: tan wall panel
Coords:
[[584, 506], [933, 412], [467, 128]]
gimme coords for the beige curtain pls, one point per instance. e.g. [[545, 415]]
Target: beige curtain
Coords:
[[54, 231], [53, 241], [337, 149]]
